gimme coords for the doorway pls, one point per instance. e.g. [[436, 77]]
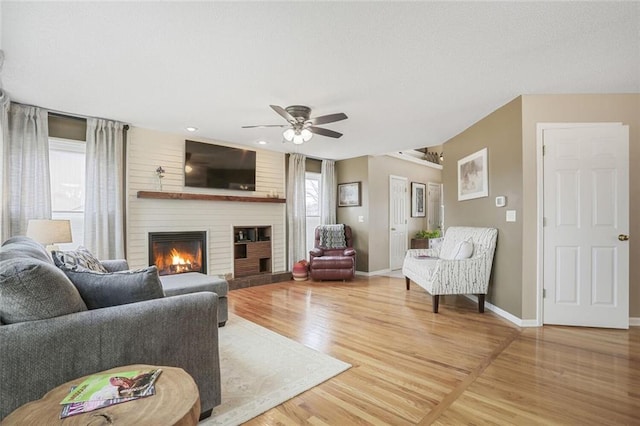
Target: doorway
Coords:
[[398, 196], [585, 222]]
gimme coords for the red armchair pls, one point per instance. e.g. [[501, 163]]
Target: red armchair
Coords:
[[333, 257]]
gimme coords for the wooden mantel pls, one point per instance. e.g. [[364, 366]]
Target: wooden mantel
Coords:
[[207, 197]]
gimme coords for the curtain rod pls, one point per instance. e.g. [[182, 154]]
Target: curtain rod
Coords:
[[64, 114]]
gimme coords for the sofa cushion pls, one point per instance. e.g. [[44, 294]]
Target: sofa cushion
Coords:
[[100, 290], [24, 247], [77, 260], [31, 289]]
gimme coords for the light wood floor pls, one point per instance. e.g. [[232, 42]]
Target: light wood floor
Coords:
[[411, 366]]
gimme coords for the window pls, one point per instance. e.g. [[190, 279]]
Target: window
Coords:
[[67, 167], [312, 203]]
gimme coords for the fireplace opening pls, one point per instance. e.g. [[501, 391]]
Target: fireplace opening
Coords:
[[178, 252]]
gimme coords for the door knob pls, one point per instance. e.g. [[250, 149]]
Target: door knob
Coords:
[[623, 237]]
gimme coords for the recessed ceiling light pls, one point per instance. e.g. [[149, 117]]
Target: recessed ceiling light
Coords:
[[262, 142], [192, 129]]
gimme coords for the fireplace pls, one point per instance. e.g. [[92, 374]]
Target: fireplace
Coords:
[[178, 252]]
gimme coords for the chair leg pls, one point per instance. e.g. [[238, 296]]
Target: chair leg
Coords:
[[481, 303], [436, 300], [407, 281]]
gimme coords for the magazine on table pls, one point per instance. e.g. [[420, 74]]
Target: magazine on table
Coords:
[[84, 407], [109, 386]]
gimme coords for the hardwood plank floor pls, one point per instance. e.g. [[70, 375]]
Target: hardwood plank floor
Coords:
[[411, 366]]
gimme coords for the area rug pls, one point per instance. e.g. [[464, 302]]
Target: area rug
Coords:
[[261, 369]]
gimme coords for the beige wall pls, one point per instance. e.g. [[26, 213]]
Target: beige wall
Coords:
[[67, 127], [372, 236], [623, 108], [501, 134], [355, 170], [510, 136]]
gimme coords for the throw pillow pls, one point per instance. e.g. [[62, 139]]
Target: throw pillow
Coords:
[[77, 260], [100, 290], [462, 250], [31, 289]]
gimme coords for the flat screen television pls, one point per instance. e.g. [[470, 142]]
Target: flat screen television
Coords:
[[216, 166]]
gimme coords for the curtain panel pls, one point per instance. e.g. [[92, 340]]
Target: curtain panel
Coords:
[[296, 209], [328, 198], [26, 188], [4, 181], [104, 205]]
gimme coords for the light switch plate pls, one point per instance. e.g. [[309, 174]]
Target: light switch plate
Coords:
[[501, 201], [511, 215], [360, 218]]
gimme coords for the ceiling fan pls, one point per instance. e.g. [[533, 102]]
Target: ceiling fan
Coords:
[[301, 128]]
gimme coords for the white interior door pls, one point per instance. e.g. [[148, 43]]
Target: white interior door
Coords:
[[398, 196], [586, 221]]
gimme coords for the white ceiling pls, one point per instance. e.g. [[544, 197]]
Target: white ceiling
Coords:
[[408, 75]]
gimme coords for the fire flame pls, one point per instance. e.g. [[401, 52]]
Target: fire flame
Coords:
[[177, 261]]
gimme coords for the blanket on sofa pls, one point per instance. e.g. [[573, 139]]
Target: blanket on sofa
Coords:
[[332, 236]]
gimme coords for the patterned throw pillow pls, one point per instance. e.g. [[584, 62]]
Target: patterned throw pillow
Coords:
[[77, 260]]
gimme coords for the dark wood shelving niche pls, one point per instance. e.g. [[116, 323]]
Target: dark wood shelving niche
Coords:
[[206, 197]]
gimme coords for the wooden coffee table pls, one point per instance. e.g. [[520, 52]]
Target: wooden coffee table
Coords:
[[176, 402]]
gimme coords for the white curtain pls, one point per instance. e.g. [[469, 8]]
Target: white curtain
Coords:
[[104, 209], [328, 185], [4, 181], [296, 209], [26, 189]]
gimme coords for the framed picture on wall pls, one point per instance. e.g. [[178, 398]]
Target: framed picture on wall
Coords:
[[349, 194], [473, 179], [418, 199]]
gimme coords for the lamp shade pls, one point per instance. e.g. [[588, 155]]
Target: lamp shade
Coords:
[[47, 231]]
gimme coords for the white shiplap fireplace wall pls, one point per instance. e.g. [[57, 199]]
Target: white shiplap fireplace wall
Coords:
[[148, 149]]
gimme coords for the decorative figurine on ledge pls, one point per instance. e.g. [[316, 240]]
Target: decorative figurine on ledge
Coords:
[[160, 174]]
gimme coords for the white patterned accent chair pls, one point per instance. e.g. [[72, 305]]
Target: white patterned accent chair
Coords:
[[462, 265]]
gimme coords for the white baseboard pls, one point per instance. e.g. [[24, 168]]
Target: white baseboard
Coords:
[[504, 314], [633, 322], [373, 273]]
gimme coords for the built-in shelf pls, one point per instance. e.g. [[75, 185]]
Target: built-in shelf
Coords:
[[252, 250], [207, 197]]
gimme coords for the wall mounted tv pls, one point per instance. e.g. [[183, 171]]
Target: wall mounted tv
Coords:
[[216, 166]]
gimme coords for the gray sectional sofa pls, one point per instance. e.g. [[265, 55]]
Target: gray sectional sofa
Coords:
[[48, 336]]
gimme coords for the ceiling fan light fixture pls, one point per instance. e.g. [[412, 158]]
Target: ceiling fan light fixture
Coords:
[[298, 139], [289, 134], [306, 135]]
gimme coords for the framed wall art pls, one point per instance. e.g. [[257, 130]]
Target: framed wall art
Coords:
[[473, 179], [349, 194], [418, 199]]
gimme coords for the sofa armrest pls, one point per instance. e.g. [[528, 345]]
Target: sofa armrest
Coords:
[[115, 265], [178, 331], [349, 252], [316, 252]]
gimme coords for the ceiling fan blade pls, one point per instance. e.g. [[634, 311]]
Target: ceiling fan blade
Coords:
[[324, 132], [328, 118], [283, 112], [265, 125]]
